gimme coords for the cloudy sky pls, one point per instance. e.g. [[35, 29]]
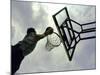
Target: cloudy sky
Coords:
[[39, 16]]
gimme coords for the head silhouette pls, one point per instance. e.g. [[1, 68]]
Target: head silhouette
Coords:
[[29, 30]]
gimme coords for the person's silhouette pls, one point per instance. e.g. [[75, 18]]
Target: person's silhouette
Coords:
[[25, 47]]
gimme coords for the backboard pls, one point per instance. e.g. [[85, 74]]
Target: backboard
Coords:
[[71, 31], [64, 27]]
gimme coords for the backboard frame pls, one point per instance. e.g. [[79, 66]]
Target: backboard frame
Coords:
[[70, 29], [63, 36]]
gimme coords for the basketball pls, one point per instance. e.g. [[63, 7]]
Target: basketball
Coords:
[[49, 30]]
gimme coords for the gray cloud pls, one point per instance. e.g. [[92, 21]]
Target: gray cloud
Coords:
[[24, 16]]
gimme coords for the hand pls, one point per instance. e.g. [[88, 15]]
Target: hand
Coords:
[[49, 31]]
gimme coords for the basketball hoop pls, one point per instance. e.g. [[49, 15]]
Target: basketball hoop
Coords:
[[71, 31], [53, 40]]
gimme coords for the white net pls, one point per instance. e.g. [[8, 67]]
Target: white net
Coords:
[[53, 40]]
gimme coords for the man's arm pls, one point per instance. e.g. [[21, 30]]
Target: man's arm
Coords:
[[41, 36], [48, 31]]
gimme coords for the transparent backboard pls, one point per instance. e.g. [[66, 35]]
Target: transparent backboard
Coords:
[[71, 31]]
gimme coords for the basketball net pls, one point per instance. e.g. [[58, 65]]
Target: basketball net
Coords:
[[53, 41]]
